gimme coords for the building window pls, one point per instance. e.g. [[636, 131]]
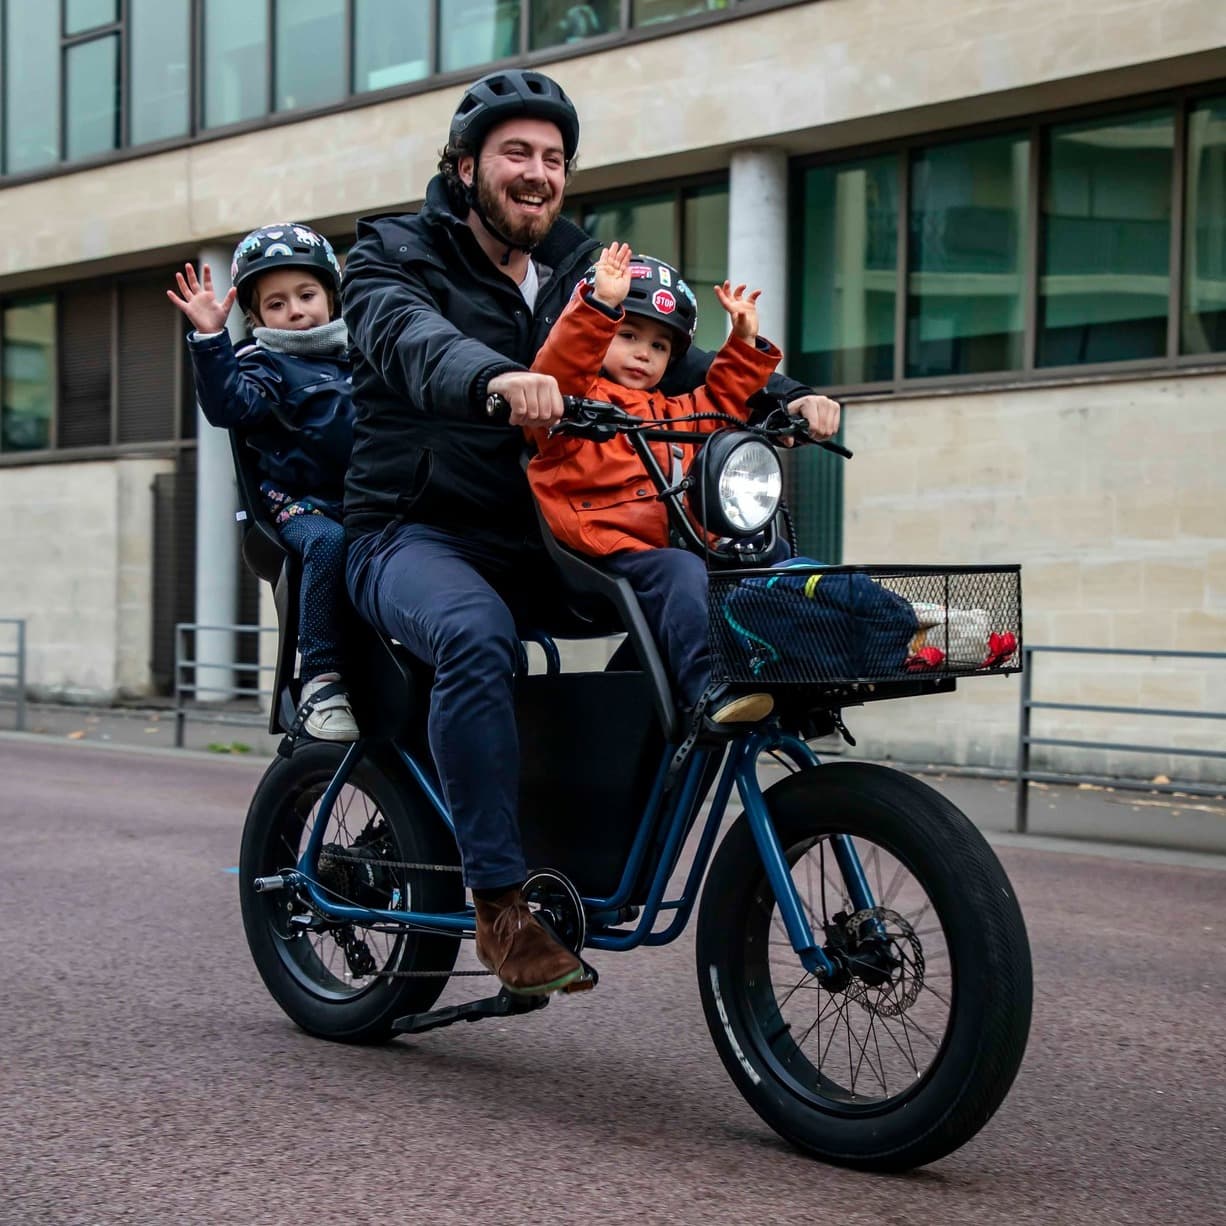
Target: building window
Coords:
[[391, 43], [1204, 276], [159, 50], [648, 12], [309, 41], [91, 97], [235, 61], [31, 86], [686, 227], [476, 32], [82, 78], [556, 23], [27, 372], [1104, 277], [966, 254], [848, 249], [81, 16], [704, 258]]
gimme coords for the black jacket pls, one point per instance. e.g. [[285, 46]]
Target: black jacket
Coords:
[[431, 321], [296, 412]]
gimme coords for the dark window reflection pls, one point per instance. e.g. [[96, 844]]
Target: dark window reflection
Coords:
[[1204, 280], [91, 97], [557, 22], [391, 43], [235, 61], [159, 51], [967, 257], [1104, 281], [309, 42], [27, 375]]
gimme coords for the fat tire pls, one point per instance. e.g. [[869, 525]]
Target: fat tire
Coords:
[[422, 837], [990, 1018]]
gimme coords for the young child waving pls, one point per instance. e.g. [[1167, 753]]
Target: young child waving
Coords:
[[291, 396], [630, 317]]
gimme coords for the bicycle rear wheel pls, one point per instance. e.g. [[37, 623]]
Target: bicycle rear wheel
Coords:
[[347, 982]]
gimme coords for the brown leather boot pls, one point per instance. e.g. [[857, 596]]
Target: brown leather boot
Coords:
[[512, 944]]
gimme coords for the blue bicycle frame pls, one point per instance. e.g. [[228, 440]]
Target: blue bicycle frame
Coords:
[[661, 832]]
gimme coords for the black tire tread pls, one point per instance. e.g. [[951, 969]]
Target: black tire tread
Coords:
[[935, 829]]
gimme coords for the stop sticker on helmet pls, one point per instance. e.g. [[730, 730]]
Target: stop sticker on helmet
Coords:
[[664, 302]]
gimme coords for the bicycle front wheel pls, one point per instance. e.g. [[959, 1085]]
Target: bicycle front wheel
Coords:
[[908, 1050]]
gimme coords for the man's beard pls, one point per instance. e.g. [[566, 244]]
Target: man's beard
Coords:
[[521, 231]]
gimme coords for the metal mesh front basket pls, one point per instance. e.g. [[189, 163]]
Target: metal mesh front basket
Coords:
[[849, 624]]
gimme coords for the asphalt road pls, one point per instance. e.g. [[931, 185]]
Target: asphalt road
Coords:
[[146, 1076]]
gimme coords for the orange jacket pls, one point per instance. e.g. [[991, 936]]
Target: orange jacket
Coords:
[[596, 497]]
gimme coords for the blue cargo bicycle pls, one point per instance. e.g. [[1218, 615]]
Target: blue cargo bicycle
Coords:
[[861, 956]]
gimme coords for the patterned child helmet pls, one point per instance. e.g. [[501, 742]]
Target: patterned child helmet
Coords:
[[657, 291], [283, 245], [509, 94]]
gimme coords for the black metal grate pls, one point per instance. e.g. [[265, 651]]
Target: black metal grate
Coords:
[[846, 624]]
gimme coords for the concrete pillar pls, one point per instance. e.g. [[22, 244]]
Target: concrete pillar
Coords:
[[217, 533], [758, 233]]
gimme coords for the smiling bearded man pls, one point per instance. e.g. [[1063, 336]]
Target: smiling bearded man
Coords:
[[445, 307]]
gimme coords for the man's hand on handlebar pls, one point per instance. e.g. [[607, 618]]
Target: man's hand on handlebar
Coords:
[[534, 399], [820, 414]]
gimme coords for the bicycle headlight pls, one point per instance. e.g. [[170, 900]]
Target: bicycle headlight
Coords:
[[736, 484]]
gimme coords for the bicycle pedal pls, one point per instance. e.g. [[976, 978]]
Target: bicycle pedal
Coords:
[[585, 984]]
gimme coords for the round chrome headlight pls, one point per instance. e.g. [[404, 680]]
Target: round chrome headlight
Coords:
[[749, 486]]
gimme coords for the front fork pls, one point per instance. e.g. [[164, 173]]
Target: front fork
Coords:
[[778, 872]]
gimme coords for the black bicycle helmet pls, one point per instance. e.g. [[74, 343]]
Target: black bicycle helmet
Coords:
[[283, 245], [508, 93], [658, 291]]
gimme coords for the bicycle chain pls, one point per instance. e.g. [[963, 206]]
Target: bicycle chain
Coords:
[[433, 868], [426, 868]]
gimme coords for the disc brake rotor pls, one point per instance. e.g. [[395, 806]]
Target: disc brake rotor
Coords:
[[886, 959]]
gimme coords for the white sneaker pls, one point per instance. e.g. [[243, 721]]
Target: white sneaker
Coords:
[[332, 719]]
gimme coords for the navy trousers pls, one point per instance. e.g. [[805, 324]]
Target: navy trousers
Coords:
[[320, 543], [456, 604], [671, 585]]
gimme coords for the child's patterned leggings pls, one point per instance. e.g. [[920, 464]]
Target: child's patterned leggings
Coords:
[[320, 543]]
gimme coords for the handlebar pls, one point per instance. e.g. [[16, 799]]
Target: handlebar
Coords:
[[600, 420]]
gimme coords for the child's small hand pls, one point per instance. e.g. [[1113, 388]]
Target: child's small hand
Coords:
[[198, 302], [613, 275], [742, 308]]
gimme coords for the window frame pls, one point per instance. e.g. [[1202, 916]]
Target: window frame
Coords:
[[1182, 100], [172, 445], [197, 133]]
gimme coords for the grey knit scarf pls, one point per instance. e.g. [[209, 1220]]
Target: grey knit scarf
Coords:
[[327, 340]]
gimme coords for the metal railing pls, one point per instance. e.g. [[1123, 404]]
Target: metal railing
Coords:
[[18, 675], [184, 688], [1025, 776]]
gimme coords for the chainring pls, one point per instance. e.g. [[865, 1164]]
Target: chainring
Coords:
[[556, 902]]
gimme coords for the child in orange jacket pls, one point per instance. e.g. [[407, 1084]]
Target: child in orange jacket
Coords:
[[631, 316]]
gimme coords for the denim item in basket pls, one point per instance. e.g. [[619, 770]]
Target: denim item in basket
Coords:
[[810, 626]]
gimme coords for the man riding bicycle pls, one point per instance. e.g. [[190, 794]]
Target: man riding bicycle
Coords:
[[446, 309]]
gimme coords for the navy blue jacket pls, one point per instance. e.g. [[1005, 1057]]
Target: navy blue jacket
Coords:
[[296, 412], [431, 321]]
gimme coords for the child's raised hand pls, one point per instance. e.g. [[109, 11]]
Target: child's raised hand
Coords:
[[613, 275], [742, 308], [198, 302]]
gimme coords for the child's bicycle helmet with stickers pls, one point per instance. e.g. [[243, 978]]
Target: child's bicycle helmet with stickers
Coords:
[[282, 245], [658, 291], [509, 94]]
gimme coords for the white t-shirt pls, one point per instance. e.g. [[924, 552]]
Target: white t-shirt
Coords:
[[530, 286]]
